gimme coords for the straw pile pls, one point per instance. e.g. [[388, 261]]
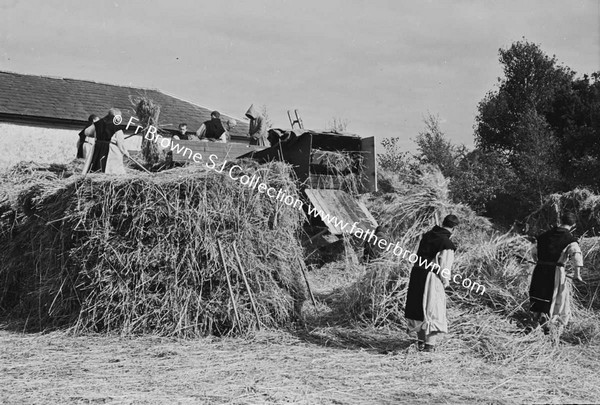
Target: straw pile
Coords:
[[25, 174], [336, 170], [139, 254], [410, 208], [584, 203], [485, 256], [590, 292]]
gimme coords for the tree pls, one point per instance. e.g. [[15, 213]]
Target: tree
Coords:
[[575, 118], [433, 148], [514, 121], [393, 158], [536, 162], [483, 181], [531, 81]]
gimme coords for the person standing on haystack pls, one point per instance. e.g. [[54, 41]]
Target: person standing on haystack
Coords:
[[550, 289], [107, 156], [258, 127], [426, 299], [81, 147], [212, 130]]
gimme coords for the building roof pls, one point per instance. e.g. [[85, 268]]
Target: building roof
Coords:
[[70, 101]]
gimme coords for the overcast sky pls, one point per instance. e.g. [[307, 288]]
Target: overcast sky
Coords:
[[381, 65]]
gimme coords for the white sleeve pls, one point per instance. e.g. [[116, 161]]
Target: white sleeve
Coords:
[[120, 141], [446, 259], [574, 253]]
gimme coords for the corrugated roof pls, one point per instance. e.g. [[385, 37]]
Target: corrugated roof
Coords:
[[343, 207], [71, 99]]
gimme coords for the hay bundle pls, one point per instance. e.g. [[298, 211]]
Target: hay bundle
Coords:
[[338, 170], [589, 294], [378, 297], [409, 209], [584, 203], [330, 162], [148, 111], [138, 254], [25, 174]]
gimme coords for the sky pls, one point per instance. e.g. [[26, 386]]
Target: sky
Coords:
[[379, 65]]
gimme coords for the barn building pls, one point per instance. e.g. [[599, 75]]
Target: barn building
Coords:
[[41, 116]]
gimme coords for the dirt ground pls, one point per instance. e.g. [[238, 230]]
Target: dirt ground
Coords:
[[273, 367]]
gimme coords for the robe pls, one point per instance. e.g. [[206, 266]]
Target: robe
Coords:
[[550, 288], [425, 309]]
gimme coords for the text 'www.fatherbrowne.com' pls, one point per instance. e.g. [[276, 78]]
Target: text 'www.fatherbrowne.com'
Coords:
[[254, 182]]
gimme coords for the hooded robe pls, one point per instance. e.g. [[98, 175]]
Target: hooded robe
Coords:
[[258, 129]]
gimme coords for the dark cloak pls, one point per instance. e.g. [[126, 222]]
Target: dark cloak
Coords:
[[433, 242], [105, 129], [550, 245]]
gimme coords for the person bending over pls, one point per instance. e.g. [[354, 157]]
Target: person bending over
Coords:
[[425, 309]]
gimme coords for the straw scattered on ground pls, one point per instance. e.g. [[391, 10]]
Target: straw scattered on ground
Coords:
[[350, 348], [278, 367]]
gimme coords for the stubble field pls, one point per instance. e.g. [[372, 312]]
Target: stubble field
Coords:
[[319, 362]]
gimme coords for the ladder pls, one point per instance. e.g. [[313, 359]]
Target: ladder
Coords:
[[298, 120]]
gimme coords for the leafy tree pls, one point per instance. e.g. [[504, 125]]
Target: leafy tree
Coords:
[[433, 148], [575, 118], [515, 120], [531, 81], [536, 161], [483, 181], [394, 158]]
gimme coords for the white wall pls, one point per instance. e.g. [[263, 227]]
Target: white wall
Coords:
[[42, 145]]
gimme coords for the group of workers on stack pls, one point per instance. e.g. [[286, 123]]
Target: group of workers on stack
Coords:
[[109, 148]]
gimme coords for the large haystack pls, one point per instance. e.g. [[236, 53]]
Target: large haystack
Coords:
[[139, 253]]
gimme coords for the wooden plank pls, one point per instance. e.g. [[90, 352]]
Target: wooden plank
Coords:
[[223, 151], [369, 174]]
